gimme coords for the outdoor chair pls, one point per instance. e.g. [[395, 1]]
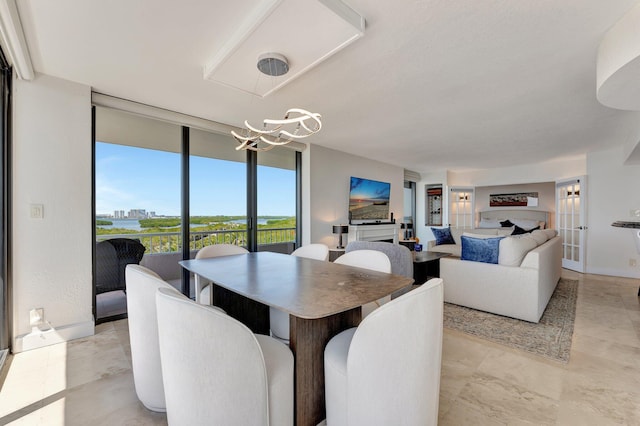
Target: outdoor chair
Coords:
[[112, 258]]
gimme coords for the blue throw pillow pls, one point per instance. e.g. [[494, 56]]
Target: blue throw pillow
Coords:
[[480, 249], [443, 236]]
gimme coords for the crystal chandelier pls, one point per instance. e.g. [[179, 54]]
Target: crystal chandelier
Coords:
[[296, 124]]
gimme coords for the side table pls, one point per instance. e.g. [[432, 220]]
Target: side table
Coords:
[[426, 265], [335, 253]]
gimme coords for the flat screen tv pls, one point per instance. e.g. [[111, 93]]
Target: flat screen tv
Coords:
[[368, 200]]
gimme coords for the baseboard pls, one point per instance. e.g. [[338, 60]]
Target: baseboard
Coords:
[[613, 272], [38, 339]]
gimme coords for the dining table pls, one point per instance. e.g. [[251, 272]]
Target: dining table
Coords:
[[322, 298]]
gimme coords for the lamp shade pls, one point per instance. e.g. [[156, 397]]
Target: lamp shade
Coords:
[[340, 229]]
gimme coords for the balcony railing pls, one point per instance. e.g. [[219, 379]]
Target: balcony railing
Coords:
[[170, 242]]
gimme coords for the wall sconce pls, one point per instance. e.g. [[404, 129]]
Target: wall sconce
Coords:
[[340, 229]]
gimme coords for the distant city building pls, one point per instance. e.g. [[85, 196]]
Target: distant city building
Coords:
[[137, 214], [118, 214], [151, 214]]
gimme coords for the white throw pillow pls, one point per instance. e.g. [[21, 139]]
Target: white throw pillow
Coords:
[[481, 236], [503, 232], [540, 236], [525, 224], [514, 249], [489, 223], [551, 233]]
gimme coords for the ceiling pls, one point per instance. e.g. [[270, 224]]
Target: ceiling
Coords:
[[432, 84]]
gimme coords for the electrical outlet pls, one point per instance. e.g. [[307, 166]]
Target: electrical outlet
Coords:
[[36, 317], [633, 262]]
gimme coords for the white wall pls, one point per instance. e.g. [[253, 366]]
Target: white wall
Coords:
[[549, 171], [526, 173], [329, 173], [546, 197], [612, 193], [51, 257]]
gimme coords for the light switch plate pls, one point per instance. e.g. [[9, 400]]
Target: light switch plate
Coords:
[[634, 212], [36, 211]]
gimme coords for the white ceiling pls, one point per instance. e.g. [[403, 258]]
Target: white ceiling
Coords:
[[432, 84]]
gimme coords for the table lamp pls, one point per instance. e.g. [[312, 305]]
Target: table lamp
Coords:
[[340, 229]]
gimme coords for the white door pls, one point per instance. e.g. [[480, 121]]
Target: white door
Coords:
[[461, 208], [571, 221]]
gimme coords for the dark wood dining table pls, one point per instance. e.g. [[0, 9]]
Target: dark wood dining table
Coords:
[[322, 298]]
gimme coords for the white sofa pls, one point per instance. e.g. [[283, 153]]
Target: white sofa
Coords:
[[515, 291]]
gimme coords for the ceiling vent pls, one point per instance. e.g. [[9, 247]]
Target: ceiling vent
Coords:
[[287, 26]]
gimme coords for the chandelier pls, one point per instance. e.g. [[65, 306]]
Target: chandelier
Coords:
[[296, 124]]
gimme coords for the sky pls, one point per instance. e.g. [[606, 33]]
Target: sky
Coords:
[[138, 178]]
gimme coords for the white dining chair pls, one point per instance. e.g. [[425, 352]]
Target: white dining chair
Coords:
[[142, 284], [279, 320], [216, 371], [387, 370], [368, 259], [312, 251], [203, 290]]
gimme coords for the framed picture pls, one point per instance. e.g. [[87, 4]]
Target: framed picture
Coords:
[[516, 199]]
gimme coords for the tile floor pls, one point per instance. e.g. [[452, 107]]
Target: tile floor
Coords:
[[89, 381]]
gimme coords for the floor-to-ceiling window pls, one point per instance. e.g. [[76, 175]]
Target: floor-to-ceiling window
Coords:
[[137, 197], [5, 199], [225, 195], [217, 190], [276, 181]]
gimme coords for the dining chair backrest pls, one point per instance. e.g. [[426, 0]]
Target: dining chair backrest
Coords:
[[142, 284], [312, 251], [216, 250], [368, 259], [214, 373], [203, 293], [279, 320], [393, 363], [400, 256]]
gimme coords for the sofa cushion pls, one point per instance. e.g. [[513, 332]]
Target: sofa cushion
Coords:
[[514, 249], [551, 233], [443, 236], [480, 249], [489, 223], [540, 236], [453, 249]]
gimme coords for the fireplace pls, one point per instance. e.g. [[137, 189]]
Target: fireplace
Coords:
[[383, 232]]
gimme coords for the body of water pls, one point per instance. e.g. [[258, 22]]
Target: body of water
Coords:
[[134, 224]]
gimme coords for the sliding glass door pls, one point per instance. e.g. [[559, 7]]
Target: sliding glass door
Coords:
[[217, 190], [5, 200], [137, 201], [176, 189], [276, 220]]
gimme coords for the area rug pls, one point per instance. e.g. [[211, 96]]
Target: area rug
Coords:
[[550, 338]]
